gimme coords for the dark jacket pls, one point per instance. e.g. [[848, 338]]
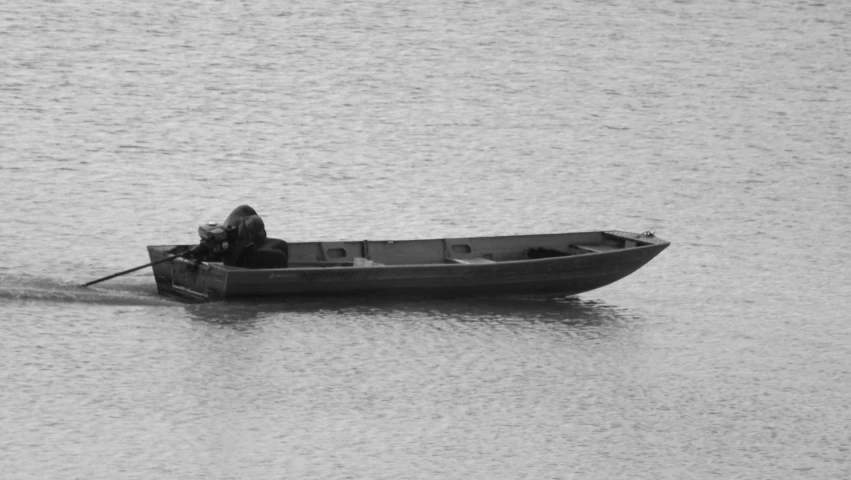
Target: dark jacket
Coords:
[[251, 248]]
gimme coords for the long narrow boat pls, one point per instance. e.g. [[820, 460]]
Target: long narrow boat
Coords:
[[549, 264]]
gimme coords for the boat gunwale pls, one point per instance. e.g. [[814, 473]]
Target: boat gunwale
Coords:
[[231, 268]]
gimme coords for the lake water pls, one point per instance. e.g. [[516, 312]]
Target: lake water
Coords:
[[722, 125]]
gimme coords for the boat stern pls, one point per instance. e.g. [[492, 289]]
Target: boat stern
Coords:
[[186, 279]]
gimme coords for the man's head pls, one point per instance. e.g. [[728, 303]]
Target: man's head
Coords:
[[253, 228]]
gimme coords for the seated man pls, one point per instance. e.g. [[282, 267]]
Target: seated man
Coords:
[[253, 249]]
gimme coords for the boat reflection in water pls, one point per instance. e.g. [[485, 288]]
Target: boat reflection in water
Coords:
[[572, 315]]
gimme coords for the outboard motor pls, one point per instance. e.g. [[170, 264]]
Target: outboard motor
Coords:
[[215, 240]]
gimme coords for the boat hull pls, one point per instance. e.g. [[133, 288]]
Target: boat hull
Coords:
[[565, 275]]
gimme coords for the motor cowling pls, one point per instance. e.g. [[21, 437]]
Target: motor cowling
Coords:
[[216, 239]]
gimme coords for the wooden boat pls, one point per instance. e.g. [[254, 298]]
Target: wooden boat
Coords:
[[549, 264]]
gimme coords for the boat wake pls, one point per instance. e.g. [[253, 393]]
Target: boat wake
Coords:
[[28, 288], [572, 311]]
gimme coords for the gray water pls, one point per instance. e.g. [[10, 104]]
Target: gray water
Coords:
[[721, 125]]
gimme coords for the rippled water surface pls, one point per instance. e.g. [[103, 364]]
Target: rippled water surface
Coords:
[[721, 125]]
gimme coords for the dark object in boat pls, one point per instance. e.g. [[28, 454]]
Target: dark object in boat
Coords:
[[268, 253], [242, 242]]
